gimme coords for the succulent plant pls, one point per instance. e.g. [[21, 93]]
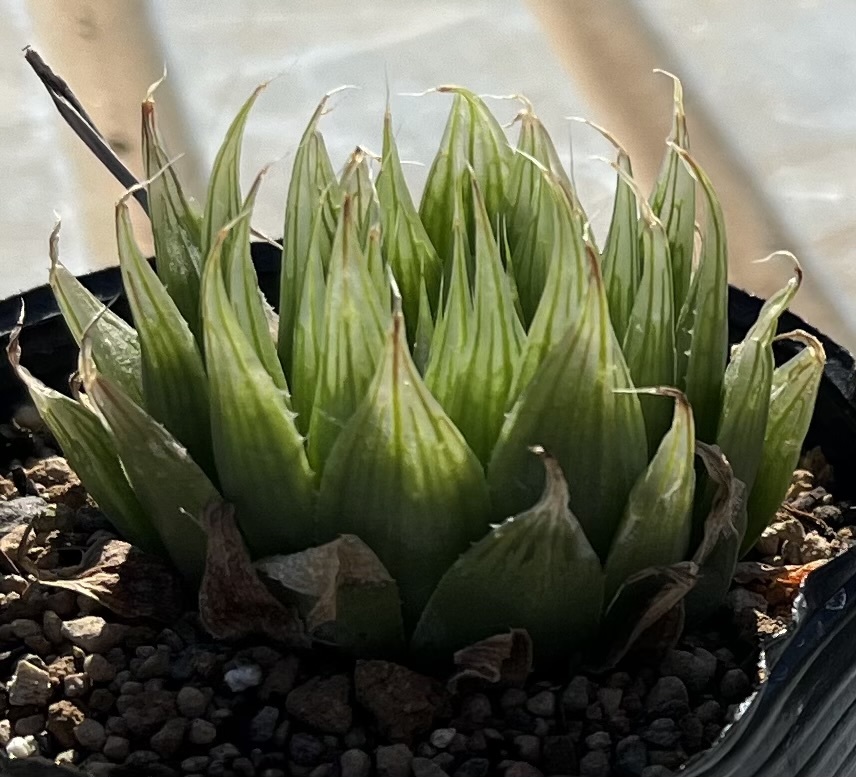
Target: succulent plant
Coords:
[[503, 418]]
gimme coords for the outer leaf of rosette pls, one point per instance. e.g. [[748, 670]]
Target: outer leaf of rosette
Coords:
[[794, 391], [171, 487], [91, 452], [535, 571], [175, 386], [655, 529], [259, 452], [115, 345]]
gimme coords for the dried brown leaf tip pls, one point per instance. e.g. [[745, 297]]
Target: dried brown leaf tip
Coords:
[[125, 580], [233, 601], [503, 658]]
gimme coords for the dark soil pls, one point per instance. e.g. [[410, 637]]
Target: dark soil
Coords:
[[111, 695]]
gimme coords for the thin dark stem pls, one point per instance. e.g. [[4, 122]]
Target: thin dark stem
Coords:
[[78, 119]]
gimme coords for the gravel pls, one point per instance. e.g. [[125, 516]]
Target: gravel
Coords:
[[92, 689]]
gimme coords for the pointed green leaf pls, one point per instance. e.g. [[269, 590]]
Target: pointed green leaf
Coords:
[[356, 183], [406, 245], [674, 202], [649, 342], [115, 346], [169, 484], [794, 391], [540, 215], [377, 267], [402, 478], [309, 335], [89, 449], [535, 571], [242, 286], [259, 452], [655, 528], [622, 264], [535, 142], [472, 384], [454, 317], [702, 333], [562, 301], [747, 386], [175, 224], [224, 188], [424, 331], [175, 387], [353, 340], [571, 407], [472, 137], [310, 218]]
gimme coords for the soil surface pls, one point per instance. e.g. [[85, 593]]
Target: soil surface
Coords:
[[104, 693]]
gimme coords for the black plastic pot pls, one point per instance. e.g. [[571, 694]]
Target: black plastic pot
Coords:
[[802, 722]]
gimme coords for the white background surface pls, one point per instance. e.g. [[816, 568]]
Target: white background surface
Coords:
[[776, 81]]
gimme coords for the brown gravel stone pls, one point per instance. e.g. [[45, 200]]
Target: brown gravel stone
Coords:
[[322, 703], [63, 717], [402, 702]]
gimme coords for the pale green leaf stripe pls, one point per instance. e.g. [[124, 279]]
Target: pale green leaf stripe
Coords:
[[356, 182], [259, 452], [175, 224], [649, 343], [175, 387], [622, 265], [655, 528], [90, 451], [572, 409], [567, 283], [794, 391], [242, 287], [310, 217], [401, 477], [115, 346], [406, 245], [536, 571], [224, 187], [171, 487], [702, 336], [674, 202], [473, 382], [353, 340]]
